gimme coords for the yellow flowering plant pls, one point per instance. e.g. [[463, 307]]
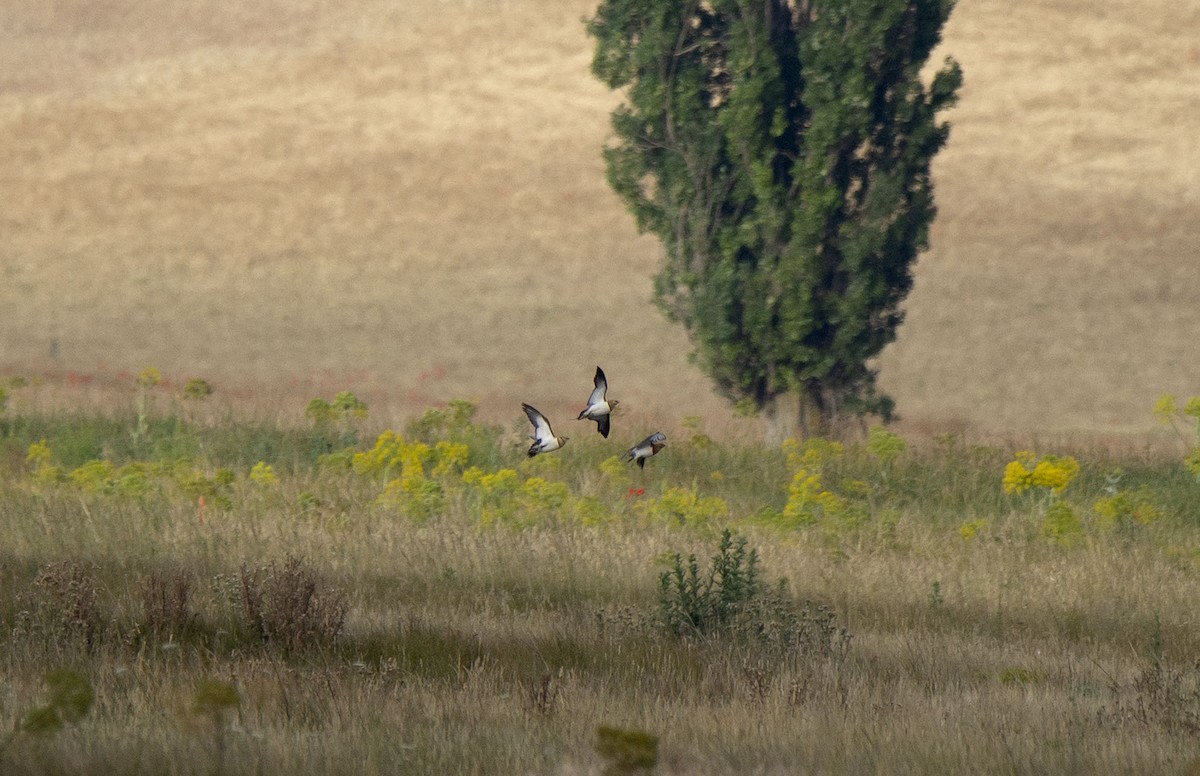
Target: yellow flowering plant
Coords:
[[815, 494], [1051, 473], [683, 506], [41, 461], [1167, 410], [263, 475], [1047, 478]]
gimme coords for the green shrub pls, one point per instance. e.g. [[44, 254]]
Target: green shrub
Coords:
[[626, 752], [696, 603]]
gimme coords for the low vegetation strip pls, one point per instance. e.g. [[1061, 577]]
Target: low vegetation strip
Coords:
[[187, 595]]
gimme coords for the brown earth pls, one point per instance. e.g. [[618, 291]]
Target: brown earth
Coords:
[[295, 198]]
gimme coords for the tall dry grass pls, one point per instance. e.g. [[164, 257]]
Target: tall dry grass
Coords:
[[496, 637], [473, 652]]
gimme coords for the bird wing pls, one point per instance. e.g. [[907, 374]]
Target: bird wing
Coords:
[[541, 426], [603, 423], [601, 383]]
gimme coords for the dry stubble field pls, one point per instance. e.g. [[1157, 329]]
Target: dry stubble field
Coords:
[[291, 199]]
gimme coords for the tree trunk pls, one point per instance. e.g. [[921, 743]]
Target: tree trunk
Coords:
[[815, 420], [817, 413], [778, 423]]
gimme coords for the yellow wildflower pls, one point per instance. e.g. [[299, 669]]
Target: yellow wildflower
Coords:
[[149, 377], [263, 474], [1165, 408], [1052, 472]]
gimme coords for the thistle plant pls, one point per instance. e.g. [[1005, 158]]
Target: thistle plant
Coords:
[[692, 602], [289, 606]]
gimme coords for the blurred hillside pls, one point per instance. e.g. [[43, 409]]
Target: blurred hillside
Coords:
[[298, 198]]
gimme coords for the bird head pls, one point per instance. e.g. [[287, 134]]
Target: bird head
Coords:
[[612, 404]]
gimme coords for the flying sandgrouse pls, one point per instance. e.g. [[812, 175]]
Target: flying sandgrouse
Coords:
[[646, 448], [598, 408], [543, 437]]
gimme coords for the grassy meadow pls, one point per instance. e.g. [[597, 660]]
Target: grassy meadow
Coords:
[[394, 206], [186, 593]]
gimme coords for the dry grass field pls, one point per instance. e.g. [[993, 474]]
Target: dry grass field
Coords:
[[407, 201], [447, 607], [295, 198]]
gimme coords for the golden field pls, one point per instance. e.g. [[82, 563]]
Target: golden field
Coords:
[[407, 201]]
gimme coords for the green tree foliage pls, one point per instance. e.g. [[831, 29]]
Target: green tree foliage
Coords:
[[781, 151]]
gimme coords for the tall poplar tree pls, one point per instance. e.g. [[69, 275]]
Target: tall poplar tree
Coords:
[[780, 150]]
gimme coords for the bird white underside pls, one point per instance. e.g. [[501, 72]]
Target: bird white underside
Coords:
[[595, 411], [548, 445], [541, 431]]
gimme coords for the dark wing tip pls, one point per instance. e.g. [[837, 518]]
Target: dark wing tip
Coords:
[[603, 424], [641, 463]]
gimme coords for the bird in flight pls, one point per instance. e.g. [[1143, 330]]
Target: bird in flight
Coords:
[[543, 437], [598, 408], [646, 448]]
